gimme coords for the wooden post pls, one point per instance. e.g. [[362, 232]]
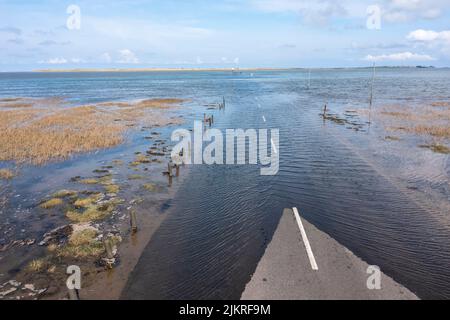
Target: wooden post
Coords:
[[133, 221], [189, 150], [204, 117], [325, 110], [178, 170], [212, 118], [108, 248], [169, 168], [73, 294], [309, 79], [371, 94], [223, 102]]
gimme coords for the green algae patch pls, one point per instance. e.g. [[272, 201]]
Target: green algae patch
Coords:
[[392, 138], [112, 188], [438, 148], [51, 203], [65, 193], [140, 159], [152, 187], [93, 212], [135, 177], [86, 202], [89, 181], [106, 180], [82, 244]]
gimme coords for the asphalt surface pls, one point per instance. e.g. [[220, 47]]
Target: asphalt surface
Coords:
[[286, 270]]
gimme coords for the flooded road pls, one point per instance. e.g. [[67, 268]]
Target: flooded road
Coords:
[[224, 216]]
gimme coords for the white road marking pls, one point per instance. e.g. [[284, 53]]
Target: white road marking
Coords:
[[312, 260], [264, 119], [259, 106], [274, 147]]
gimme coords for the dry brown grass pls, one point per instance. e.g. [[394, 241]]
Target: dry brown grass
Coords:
[[441, 104], [55, 132], [82, 244], [428, 121], [6, 174], [16, 105], [435, 131], [419, 120], [9, 100]]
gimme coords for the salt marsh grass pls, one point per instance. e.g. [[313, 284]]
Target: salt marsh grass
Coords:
[[50, 130]]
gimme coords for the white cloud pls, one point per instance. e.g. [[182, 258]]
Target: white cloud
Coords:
[[145, 31], [60, 60], [322, 11], [77, 60], [106, 57], [127, 56], [409, 10], [429, 35], [54, 61], [313, 12], [402, 56]]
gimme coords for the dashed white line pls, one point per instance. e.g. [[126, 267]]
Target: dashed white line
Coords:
[[259, 106], [312, 260], [264, 118], [274, 147]]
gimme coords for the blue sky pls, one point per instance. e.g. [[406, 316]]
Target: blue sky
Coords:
[[222, 33]]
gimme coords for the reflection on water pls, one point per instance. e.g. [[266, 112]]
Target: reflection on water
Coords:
[[223, 216]]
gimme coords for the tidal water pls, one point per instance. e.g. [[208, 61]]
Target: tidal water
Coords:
[[223, 216]]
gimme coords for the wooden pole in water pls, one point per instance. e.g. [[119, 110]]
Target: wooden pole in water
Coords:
[[309, 79], [189, 150], [108, 248], [133, 221], [371, 93], [324, 110], [169, 168], [178, 170]]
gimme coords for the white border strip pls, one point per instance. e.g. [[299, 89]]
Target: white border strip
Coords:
[[264, 118], [312, 260]]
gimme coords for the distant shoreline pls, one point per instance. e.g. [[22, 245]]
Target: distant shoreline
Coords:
[[164, 69], [237, 70]]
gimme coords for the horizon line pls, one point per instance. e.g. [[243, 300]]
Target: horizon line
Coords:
[[190, 69]]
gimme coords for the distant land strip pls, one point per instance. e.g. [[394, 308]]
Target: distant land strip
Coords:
[[209, 69]]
